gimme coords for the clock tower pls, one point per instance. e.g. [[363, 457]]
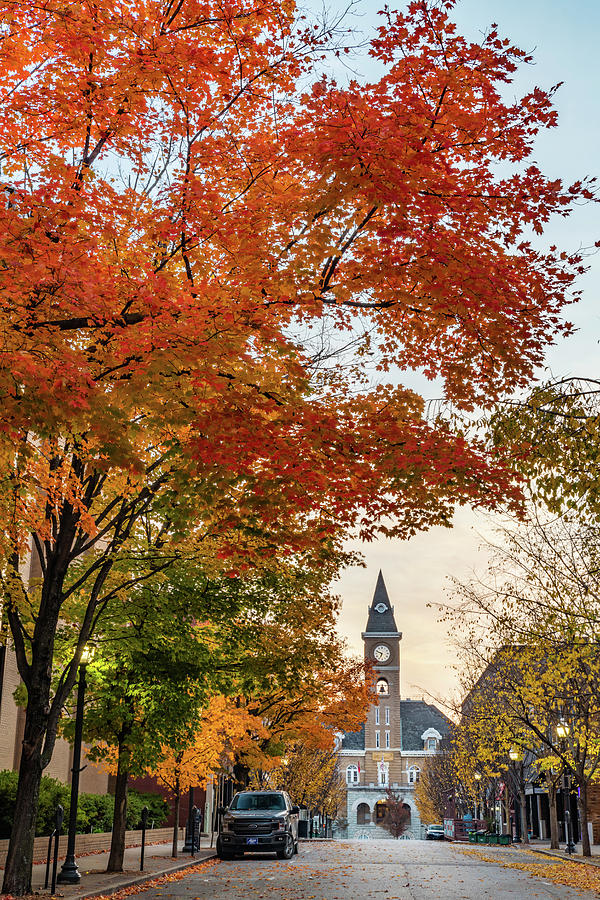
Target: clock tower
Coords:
[[381, 638]]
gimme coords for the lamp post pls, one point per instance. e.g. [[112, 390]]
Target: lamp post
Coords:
[[69, 874], [477, 777], [570, 848], [513, 755], [188, 847], [562, 731]]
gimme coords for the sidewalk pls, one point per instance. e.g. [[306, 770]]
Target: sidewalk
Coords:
[[538, 846], [96, 882]]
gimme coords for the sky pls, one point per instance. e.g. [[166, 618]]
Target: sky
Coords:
[[563, 37]]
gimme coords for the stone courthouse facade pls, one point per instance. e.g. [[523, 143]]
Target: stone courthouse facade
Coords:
[[395, 740]]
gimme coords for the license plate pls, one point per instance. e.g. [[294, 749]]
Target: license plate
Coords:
[[252, 840]]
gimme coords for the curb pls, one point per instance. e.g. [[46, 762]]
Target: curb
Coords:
[[142, 879], [559, 855]]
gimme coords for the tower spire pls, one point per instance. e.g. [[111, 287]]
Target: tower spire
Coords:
[[381, 613]]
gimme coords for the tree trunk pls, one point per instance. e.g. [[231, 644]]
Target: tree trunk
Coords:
[[117, 843], [176, 823], [523, 809], [39, 736], [582, 806], [241, 774], [553, 815], [17, 872], [42, 712]]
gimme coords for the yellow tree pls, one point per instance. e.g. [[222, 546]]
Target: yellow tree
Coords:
[[529, 628], [492, 747], [312, 777], [436, 781], [224, 725]]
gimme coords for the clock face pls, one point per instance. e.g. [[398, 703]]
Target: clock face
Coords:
[[381, 653], [380, 608]]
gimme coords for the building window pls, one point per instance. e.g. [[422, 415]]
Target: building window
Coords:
[[413, 774], [377, 715], [431, 739], [377, 741], [352, 775], [363, 814], [387, 739], [383, 774], [383, 687], [387, 715]]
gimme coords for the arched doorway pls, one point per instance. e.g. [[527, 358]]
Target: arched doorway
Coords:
[[363, 814], [380, 811]]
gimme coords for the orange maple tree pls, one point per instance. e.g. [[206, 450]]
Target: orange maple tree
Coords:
[[224, 725], [194, 219]]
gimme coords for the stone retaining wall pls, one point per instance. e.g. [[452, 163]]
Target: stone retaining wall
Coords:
[[94, 843]]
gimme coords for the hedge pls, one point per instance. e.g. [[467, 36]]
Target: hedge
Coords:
[[94, 811]]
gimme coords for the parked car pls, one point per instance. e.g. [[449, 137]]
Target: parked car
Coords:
[[435, 833], [258, 822]]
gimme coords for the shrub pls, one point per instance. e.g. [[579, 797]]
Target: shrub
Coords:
[[8, 794], [52, 792], [94, 811], [158, 809]]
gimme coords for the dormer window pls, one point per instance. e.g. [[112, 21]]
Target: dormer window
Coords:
[[431, 740], [383, 687]]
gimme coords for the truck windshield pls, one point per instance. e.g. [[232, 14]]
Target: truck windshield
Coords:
[[258, 801]]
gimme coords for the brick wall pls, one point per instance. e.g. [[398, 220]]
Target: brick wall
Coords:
[[89, 843], [94, 779], [10, 727]]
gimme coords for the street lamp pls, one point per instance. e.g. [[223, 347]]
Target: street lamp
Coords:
[[69, 874], [514, 756], [562, 729], [477, 777]]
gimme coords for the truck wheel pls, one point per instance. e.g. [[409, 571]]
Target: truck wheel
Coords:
[[222, 854], [288, 848]]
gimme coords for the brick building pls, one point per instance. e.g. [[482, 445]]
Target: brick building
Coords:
[[12, 719], [396, 738]]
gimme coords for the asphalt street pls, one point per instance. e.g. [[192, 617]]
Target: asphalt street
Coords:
[[371, 870]]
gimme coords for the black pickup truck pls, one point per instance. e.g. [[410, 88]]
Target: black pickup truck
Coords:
[[258, 822]]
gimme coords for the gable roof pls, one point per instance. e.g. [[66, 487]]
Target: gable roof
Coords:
[[354, 740], [417, 717]]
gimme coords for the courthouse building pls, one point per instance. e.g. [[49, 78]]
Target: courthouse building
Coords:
[[396, 739]]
